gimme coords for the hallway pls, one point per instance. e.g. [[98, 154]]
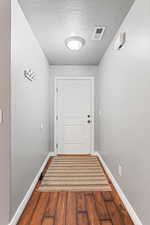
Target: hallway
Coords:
[[75, 208], [74, 83]]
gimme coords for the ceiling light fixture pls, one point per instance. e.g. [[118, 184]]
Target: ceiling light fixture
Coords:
[[74, 43]]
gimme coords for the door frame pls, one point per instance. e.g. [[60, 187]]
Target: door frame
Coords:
[[55, 107]]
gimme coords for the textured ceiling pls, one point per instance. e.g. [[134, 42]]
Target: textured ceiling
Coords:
[[52, 21]]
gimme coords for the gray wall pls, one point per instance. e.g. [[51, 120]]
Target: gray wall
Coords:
[[76, 71], [124, 84], [5, 26], [29, 108]]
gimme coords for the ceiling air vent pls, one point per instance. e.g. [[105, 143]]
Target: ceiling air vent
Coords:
[[98, 33]]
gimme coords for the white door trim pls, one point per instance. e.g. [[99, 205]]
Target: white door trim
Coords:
[[55, 108]]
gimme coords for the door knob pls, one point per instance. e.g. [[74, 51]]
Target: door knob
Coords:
[[89, 121]]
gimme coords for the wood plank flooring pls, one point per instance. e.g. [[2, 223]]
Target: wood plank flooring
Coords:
[[75, 208]]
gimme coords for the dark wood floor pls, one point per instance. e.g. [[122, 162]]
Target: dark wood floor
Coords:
[[75, 208]]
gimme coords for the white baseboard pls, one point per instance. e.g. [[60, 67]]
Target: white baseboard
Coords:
[[28, 194], [51, 154], [127, 204]]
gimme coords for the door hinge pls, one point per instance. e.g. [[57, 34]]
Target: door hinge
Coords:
[[56, 117], [57, 146]]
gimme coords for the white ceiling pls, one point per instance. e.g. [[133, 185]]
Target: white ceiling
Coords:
[[53, 21]]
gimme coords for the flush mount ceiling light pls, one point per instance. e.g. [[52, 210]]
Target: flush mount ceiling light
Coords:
[[74, 43]]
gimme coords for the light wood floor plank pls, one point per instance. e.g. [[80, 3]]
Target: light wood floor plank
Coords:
[[27, 214], [40, 209], [114, 214], [60, 217], [91, 209], [100, 206], [71, 218]]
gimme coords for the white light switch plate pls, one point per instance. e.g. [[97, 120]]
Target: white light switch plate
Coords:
[[1, 116]]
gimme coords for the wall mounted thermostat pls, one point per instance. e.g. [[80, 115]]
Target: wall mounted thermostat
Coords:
[[121, 40], [1, 116]]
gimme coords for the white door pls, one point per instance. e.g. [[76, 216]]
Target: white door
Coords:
[[74, 115]]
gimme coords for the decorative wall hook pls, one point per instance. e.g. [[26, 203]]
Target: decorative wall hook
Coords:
[[29, 74], [120, 41]]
